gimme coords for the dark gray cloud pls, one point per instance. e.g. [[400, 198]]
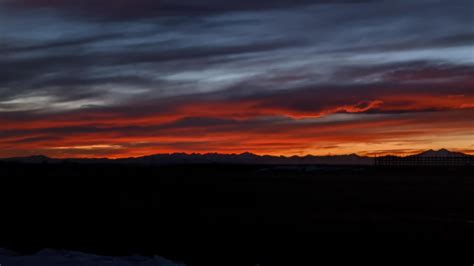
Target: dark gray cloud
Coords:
[[461, 39], [9, 48], [127, 9], [56, 54]]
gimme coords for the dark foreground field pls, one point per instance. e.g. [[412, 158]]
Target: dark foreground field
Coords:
[[237, 214]]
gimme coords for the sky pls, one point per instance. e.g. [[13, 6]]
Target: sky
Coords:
[[129, 78]]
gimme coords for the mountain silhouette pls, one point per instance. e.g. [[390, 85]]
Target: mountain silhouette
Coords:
[[440, 153], [243, 158], [31, 159]]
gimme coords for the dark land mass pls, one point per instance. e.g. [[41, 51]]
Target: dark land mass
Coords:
[[242, 159], [238, 214]]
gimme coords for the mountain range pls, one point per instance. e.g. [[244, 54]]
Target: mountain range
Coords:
[[243, 158]]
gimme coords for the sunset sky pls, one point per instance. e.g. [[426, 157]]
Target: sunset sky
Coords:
[[137, 77]]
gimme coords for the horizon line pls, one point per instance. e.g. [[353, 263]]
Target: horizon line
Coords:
[[369, 155]]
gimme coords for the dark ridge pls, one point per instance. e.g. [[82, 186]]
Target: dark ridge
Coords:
[[243, 158]]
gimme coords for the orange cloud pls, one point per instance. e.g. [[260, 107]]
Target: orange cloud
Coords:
[[318, 120]]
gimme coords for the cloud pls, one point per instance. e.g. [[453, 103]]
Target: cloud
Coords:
[[13, 48], [290, 121], [283, 137], [126, 9], [461, 39], [287, 77]]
